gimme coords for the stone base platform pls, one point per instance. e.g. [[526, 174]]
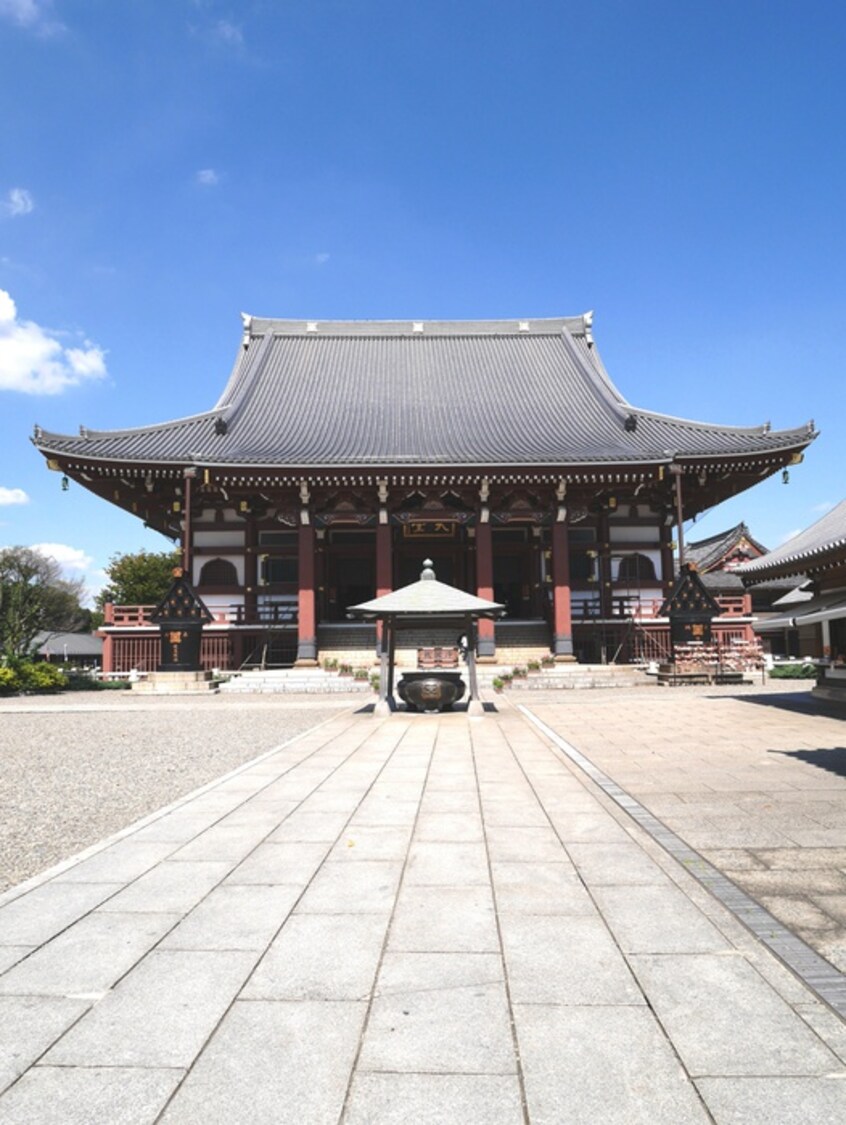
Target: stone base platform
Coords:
[[176, 683]]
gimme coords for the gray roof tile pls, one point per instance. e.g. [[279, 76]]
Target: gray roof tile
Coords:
[[454, 393], [797, 555]]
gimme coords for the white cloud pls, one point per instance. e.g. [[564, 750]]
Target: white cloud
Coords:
[[18, 200], [321, 259], [228, 33], [69, 558], [822, 508], [33, 361], [12, 496], [789, 535], [207, 177], [32, 15]]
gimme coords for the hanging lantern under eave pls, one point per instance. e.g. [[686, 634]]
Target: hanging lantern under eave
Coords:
[[65, 484]]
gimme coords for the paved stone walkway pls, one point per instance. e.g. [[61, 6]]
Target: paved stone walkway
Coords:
[[417, 920], [755, 781]]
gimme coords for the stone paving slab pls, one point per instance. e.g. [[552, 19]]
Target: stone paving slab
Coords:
[[273, 1062], [421, 918], [610, 1064]]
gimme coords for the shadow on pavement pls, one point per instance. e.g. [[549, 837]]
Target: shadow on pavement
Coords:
[[801, 702], [456, 709], [831, 758]]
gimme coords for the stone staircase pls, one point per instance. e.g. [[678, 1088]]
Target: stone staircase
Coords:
[[571, 676], [294, 681], [314, 681]]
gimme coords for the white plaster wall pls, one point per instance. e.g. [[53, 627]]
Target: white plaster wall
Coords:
[[216, 538], [645, 533]]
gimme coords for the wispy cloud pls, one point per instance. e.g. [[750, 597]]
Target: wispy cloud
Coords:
[[32, 15], [221, 34], [789, 535], [12, 496], [17, 201], [228, 33], [207, 177], [823, 507], [321, 259], [35, 362]]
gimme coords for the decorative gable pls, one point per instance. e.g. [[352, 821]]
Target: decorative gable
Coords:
[[180, 605], [690, 598]]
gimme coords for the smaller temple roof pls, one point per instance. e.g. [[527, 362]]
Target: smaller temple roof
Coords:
[[804, 552], [826, 607], [707, 554], [428, 598]]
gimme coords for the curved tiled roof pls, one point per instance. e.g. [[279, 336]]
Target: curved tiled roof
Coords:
[[799, 554], [707, 553], [318, 394]]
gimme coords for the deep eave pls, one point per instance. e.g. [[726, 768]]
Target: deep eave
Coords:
[[821, 545]]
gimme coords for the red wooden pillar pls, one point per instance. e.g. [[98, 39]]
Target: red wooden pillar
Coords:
[[384, 562], [251, 571], [108, 653], [604, 567], [562, 619], [384, 568], [486, 643], [187, 530], [306, 616], [667, 567]]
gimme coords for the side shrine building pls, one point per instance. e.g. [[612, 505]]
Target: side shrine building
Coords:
[[342, 454]]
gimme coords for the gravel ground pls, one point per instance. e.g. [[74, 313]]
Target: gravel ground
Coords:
[[78, 767]]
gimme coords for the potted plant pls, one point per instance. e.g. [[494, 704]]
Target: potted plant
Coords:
[[534, 666], [497, 683]]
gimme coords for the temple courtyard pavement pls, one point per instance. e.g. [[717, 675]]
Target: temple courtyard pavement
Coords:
[[616, 906]]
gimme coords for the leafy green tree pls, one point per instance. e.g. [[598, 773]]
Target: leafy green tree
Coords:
[[140, 578], [34, 597]]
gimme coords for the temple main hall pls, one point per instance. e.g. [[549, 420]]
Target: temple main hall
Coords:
[[342, 454]]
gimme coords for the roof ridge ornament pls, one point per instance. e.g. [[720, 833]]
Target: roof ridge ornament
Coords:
[[588, 319], [427, 574], [247, 321]]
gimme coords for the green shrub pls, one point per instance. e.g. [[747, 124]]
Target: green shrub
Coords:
[[41, 677], [793, 672], [534, 666], [360, 674], [80, 682], [498, 683], [9, 681], [22, 675], [519, 673]]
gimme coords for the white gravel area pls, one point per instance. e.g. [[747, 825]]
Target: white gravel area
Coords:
[[78, 767]]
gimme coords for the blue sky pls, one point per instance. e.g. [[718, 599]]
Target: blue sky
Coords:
[[678, 167]]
